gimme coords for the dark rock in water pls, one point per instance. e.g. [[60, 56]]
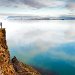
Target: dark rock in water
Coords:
[[23, 69]]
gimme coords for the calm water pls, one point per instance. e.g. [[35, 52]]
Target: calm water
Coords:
[[46, 45]]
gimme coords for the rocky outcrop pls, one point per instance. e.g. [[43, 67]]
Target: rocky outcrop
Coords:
[[13, 67], [6, 68], [23, 69]]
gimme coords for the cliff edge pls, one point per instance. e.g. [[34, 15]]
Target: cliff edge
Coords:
[[13, 67], [6, 68]]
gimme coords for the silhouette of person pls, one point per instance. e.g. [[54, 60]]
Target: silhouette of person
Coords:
[[1, 24]]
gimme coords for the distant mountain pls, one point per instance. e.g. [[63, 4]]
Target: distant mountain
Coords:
[[16, 18], [67, 17]]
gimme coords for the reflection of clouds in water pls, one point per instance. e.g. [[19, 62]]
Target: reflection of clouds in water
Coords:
[[62, 55], [40, 36], [70, 32], [49, 31]]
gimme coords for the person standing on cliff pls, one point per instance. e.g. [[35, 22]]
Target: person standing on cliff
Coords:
[[1, 24]]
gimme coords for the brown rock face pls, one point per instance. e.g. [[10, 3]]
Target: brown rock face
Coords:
[[23, 69], [6, 68], [13, 67]]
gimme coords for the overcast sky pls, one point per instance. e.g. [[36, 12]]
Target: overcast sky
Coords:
[[41, 7]]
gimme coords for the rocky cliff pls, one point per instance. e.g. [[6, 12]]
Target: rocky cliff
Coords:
[[13, 67], [6, 68]]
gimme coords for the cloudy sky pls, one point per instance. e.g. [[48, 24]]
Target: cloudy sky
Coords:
[[38, 7]]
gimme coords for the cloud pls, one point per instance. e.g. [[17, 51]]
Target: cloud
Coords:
[[70, 4], [53, 3], [18, 3], [42, 7], [33, 3]]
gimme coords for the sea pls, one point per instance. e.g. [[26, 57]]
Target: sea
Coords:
[[46, 45]]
